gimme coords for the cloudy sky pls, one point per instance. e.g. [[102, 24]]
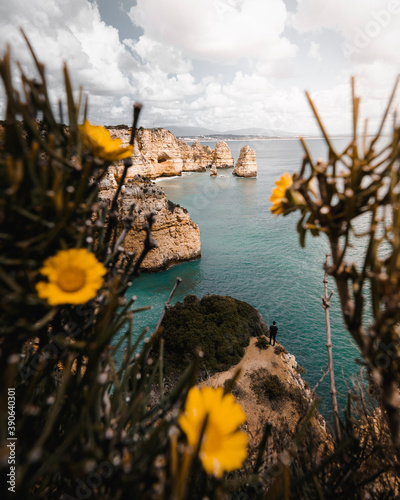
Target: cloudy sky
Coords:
[[220, 64]]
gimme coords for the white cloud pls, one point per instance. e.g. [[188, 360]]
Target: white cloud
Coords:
[[153, 53], [73, 32], [369, 27], [217, 30], [314, 51], [113, 73], [155, 86]]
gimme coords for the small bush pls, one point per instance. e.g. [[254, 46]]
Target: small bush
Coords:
[[280, 349], [266, 385], [235, 390], [262, 342]]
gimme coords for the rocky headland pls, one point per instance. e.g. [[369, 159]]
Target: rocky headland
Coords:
[[234, 337], [176, 235]]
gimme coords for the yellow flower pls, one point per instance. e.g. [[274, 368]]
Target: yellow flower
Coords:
[[74, 277], [223, 447], [99, 141], [278, 194]]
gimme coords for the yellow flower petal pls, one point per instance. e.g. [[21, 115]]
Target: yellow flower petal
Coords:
[[74, 277], [223, 447], [99, 141], [230, 458], [278, 193]]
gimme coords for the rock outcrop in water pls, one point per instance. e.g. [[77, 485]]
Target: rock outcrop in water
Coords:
[[196, 158], [157, 153], [246, 165], [177, 236], [222, 156]]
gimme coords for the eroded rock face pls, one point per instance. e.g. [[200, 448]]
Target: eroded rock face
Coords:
[[156, 153], [196, 158], [177, 236], [246, 165], [222, 156], [203, 153], [286, 408]]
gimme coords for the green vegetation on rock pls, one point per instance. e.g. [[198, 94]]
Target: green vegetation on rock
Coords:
[[220, 326]]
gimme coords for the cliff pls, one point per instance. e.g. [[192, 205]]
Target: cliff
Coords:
[[177, 236], [246, 165], [269, 388], [157, 153]]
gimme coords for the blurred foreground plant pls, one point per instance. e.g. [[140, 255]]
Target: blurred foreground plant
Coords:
[[361, 183], [84, 427]]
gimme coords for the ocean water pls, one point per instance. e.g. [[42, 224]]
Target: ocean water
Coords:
[[249, 254]]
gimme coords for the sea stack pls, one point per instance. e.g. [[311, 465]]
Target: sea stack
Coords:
[[213, 171], [222, 156], [246, 165]]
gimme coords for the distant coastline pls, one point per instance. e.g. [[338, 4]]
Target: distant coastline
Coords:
[[226, 138]]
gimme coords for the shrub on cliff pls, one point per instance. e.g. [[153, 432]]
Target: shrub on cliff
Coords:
[[262, 343], [266, 385], [219, 326]]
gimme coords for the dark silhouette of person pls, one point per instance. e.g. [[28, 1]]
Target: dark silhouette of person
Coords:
[[273, 330]]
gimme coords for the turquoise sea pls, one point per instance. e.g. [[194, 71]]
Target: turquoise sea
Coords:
[[251, 255]]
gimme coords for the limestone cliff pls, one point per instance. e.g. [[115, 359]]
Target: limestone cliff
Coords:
[[246, 165], [177, 236], [222, 156], [156, 153], [202, 152]]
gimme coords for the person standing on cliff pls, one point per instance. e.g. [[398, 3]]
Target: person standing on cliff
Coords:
[[273, 330]]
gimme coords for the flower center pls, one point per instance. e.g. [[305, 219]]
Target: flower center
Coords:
[[71, 279], [212, 438]]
